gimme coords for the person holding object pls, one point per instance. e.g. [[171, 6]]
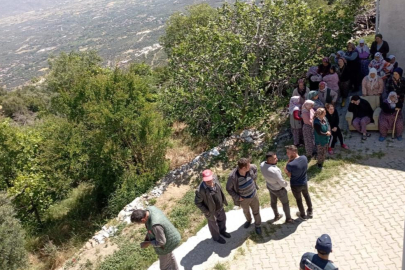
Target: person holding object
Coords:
[[276, 186], [242, 187], [296, 169], [333, 119], [210, 199], [391, 117], [322, 135], [312, 261], [162, 235], [362, 115]]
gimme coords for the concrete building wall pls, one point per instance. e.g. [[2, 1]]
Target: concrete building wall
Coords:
[[392, 27]]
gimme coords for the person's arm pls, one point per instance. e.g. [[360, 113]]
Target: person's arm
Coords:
[[160, 238], [198, 201], [373, 49], [364, 86], [296, 115], [351, 107], [352, 57], [286, 170], [279, 177], [334, 96], [229, 187], [380, 86], [385, 48], [318, 129], [399, 105], [337, 118]]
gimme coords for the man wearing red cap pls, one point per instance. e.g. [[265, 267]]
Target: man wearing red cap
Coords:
[[210, 199]]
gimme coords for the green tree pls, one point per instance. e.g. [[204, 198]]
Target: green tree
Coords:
[[12, 253], [231, 69]]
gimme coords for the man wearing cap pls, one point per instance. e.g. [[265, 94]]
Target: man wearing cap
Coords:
[[210, 199], [276, 185], [242, 187], [320, 261]]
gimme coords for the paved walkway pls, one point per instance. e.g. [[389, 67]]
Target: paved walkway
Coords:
[[363, 214]]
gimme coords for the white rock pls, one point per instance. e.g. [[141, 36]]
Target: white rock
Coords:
[[249, 139], [214, 152]]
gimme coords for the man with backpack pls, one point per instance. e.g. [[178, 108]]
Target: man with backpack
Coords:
[[320, 261]]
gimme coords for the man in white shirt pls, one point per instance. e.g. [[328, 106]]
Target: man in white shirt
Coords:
[[276, 186]]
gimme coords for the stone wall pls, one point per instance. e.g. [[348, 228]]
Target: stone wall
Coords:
[[392, 27]]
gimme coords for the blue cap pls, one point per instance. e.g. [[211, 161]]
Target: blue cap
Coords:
[[324, 244]]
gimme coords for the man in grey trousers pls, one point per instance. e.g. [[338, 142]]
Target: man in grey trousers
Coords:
[[210, 199], [276, 185]]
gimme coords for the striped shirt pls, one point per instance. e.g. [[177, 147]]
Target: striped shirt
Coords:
[[247, 186]]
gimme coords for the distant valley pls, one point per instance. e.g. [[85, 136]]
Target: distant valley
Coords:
[[121, 31]]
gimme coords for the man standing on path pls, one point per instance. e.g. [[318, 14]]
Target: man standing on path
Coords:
[[296, 169], [210, 199], [276, 186], [162, 235], [320, 261], [242, 187]]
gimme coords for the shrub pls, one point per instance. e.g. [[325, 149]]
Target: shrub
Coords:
[[12, 253]]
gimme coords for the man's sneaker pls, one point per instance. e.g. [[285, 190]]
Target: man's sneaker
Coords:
[[344, 146], [225, 234], [330, 150], [258, 230], [399, 138], [247, 224], [279, 216], [303, 217], [381, 139], [221, 240], [309, 214]]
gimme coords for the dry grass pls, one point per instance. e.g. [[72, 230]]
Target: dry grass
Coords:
[[183, 148]]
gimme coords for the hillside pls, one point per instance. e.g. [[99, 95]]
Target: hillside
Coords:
[[121, 31]]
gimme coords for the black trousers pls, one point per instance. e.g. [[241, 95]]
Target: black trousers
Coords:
[[283, 197], [335, 135], [217, 224], [297, 191]]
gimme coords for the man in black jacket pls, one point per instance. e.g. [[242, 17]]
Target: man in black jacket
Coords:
[[210, 199], [362, 115]]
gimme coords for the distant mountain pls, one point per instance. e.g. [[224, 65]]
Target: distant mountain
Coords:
[[122, 31]]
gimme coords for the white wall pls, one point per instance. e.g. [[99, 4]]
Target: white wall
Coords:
[[392, 27]]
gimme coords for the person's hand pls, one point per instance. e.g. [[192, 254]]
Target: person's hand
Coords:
[[328, 133], [145, 244], [241, 199], [334, 129], [397, 109]]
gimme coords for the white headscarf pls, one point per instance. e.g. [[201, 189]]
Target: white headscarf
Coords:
[[373, 80], [294, 104], [392, 104], [364, 48], [308, 105]]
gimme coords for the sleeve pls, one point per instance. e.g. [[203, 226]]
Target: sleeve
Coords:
[[288, 167], [352, 57], [160, 238], [280, 178], [373, 49], [229, 187], [351, 107], [386, 47], [254, 170], [302, 262], [380, 86], [296, 115], [400, 105], [337, 118], [198, 201], [363, 86], [334, 96], [318, 130]]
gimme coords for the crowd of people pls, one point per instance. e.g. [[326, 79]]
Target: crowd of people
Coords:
[[314, 119], [242, 187]]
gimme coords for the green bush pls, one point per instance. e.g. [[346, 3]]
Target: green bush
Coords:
[[12, 253]]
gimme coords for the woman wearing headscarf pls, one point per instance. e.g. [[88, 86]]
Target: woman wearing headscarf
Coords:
[[313, 77], [353, 65], [326, 95], [390, 108], [396, 84], [322, 135], [372, 84], [295, 119], [364, 53], [323, 69], [332, 80], [377, 63], [339, 55], [333, 119], [307, 114], [386, 71], [344, 80], [302, 90], [314, 96], [379, 45]]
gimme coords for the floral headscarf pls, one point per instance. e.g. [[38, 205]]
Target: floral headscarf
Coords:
[[294, 104], [392, 104]]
